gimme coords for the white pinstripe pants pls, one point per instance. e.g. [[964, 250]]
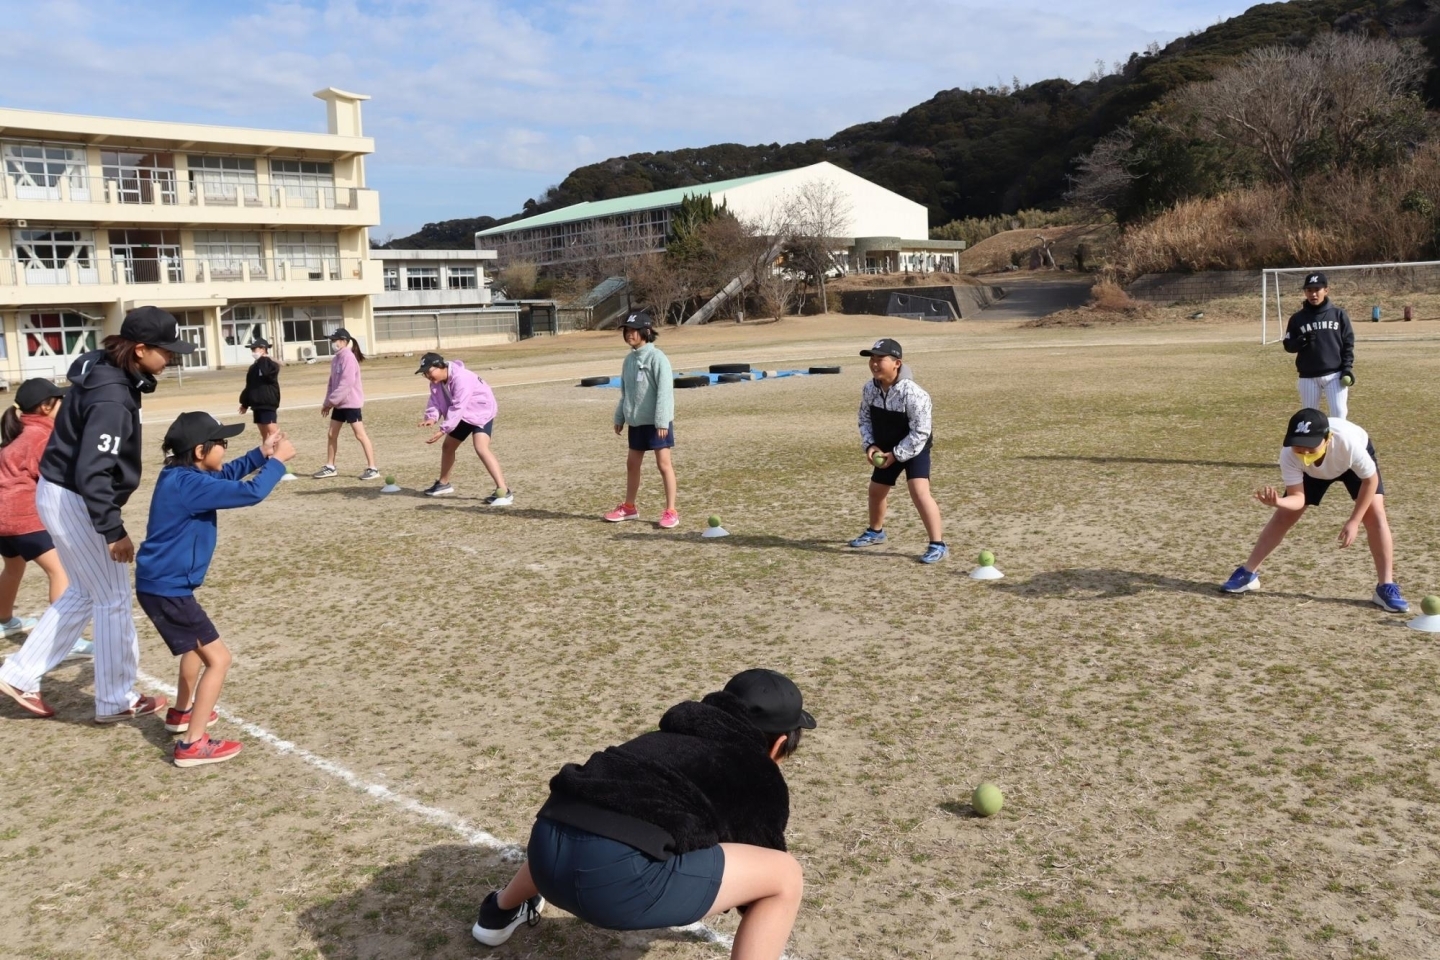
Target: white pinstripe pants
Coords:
[[1336, 393], [99, 590]]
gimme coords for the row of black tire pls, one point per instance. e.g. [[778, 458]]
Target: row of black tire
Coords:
[[726, 373]]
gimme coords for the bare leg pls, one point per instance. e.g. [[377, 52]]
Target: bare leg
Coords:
[[448, 446], [928, 509], [190, 664], [217, 663], [492, 465], [518, 890], [1382, 545], [266, 429], [771, 883], [365, 445], [667, 474], [50, 563], [1270, 538], [332, 442], [10, 577], [633, 461], [879, 493]]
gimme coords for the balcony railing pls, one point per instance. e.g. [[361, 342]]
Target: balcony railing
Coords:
[[159, 186], [168, 270]]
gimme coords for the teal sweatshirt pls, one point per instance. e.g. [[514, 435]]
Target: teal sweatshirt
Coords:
[[647, 389]]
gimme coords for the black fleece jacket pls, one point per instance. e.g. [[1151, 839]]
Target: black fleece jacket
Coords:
[[705, 777], [1322, 340], [262, 385], [95, 448]]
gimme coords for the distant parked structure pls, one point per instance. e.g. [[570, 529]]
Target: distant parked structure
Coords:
[[438, 300], [885, 232]]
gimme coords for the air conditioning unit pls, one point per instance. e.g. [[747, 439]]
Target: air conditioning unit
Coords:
[[22, 224], [307, 352]]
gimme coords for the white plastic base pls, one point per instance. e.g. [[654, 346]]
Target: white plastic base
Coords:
[[986, 573], [288, 476], [712, 532], [1428, 623], [390, 488]]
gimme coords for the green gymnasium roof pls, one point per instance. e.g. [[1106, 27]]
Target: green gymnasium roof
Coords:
[[593, 209]]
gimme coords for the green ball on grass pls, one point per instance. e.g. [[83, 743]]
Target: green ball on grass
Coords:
[[1430, 606], [714, 520], [987, 558], [986, 800], [390, 481]]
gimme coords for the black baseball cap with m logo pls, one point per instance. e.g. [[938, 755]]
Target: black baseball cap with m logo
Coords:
[[1315, 280], [1308, 428]]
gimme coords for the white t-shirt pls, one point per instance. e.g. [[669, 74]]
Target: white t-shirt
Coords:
[[1346, 452]]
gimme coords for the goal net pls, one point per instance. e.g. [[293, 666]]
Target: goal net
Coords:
[[1369, 292]]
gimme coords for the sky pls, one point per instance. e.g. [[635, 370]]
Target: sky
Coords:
[[479, 105]]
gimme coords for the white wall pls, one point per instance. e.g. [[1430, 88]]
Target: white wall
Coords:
[[874, 211]]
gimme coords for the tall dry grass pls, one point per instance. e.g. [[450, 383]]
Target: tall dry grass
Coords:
[[1352, 217]]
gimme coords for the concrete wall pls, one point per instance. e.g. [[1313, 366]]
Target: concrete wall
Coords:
[[968, 301]]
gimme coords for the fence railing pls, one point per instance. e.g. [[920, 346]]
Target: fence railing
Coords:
[[160, 186], [166, 270]]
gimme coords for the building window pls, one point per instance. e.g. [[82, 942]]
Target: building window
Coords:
[[140, 255], [38, 169], [392, 279], [461, 278], [312, 324], [316, 255], [307, 183], [227, 252], [139, 177], [47, 256], [60, 334], [225, 180], [422, 278]]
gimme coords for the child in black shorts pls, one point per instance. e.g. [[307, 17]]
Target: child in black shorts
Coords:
[[262, 389], [896, 434], [173, 560]]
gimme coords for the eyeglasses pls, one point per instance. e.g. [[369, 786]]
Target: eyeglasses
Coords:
[[222, 444]]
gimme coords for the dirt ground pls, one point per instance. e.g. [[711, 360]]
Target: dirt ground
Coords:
[[1185, 774], [994, 254]]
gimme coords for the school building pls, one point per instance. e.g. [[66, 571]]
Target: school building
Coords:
[[238, 232], [439, 300]]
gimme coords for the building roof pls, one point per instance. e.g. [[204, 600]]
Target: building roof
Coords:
[[593, 209], [384, 254]]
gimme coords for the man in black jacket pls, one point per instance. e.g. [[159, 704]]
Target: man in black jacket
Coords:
[[673, 826], [1323, 341]]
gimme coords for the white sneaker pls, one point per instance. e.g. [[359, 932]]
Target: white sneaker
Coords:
[[498, 499], [371, 473], [494, 926], [18, 626]]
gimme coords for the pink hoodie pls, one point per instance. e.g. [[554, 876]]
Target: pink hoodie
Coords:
[[463, 397], [344, 390]]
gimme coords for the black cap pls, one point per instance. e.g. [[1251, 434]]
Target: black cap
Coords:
[[341, 334], [192, 429], [1308, 428], [638, 321], [883, 348], [430, 361], [155, 328], [36, 391], [1315, 280], [259, 342], [774, 700]]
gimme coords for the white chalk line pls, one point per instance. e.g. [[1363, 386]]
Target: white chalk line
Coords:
[[475, 837]]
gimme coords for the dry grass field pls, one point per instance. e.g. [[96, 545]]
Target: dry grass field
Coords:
[[1185, 774]]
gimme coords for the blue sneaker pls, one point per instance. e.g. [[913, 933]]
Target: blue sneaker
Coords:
[[1241, 581], [83, 650], [868, 538], [935, 553], [1387, 595]]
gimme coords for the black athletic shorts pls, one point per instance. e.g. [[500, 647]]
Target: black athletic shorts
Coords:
[[1315, 487], [646, 437], [180, 621], [346, 414], [464, 428], [265, 414], [916, 468], [27, 546]]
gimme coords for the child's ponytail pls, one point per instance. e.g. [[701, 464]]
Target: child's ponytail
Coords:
[[355, 349], [10, 425]]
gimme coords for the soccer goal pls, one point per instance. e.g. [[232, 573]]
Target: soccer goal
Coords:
[[1369, 292]]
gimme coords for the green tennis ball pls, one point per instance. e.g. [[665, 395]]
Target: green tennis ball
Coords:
[[714, 520], [878, 459], [390, 481], [1430, 606], [986, 800], [1347, 381], [987, 559]]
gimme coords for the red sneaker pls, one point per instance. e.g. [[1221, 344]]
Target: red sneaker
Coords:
[[626, 511], [205, 751], [178, 721], [29, 700], [143, 708], [669, 519]]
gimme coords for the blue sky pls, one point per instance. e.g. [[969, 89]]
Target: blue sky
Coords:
[[481, 104]]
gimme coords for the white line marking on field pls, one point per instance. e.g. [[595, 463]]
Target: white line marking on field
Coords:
[[455, 823]]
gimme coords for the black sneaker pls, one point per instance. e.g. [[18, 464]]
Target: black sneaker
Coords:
[[494, 926], [438, 489], [500, 499]]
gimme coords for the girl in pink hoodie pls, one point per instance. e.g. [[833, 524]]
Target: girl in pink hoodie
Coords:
[[343, 399], [25, 428], [464, 407]]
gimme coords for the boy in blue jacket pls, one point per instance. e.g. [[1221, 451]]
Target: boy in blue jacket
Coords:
[[178, 547]]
